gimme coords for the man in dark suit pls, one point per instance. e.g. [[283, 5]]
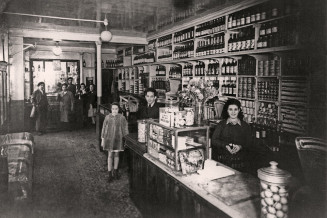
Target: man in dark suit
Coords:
[[71, 87], [151, 110], [40, 102]]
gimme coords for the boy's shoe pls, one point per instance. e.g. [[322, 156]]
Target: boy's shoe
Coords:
[[110, 179], [115, 174]]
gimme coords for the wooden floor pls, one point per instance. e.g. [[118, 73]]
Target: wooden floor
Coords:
[[70, 180]]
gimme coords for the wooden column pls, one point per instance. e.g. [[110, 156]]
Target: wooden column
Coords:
[[99, 90]]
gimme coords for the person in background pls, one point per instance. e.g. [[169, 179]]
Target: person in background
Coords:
[[40, 102], [232, 137], [71, 87], [66, 99], [92, 103], [151, 110], [83, 95], [114, 129]]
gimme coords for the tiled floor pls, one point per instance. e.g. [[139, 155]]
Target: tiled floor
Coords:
[[70, 180]]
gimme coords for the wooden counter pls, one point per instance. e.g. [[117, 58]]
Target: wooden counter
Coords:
[[158, 191]]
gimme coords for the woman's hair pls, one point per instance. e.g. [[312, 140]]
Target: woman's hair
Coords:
[[82, 84], [117, 104], [232, 101]]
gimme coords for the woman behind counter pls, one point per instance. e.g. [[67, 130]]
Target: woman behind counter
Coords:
[[232, 137]]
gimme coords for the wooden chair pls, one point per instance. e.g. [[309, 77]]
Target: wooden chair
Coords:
[[313, 158]]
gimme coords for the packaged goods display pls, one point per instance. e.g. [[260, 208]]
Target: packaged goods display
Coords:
[[268, 89], [246, 86], [247, 66], [248, 109], [182, 149]]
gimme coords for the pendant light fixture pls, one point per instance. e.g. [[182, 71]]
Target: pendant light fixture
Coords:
[[57, 50], [106, 35]]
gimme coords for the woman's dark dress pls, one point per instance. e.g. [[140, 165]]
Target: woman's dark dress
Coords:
[[230, 133]]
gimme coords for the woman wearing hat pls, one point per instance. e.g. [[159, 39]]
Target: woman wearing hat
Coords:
[[40, 102]]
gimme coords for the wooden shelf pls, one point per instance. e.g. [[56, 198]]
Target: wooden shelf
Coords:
[[165, 46], [182, 42], [243, 98], [211, 34], [269, 101], [228, 54], [246, 75]]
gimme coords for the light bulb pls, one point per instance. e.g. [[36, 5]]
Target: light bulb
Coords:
[[106, 36], [56, 50]]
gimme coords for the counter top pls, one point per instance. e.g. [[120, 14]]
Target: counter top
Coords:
[[245, 208]]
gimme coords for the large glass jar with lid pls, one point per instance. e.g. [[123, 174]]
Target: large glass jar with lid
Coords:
[[274, 191]]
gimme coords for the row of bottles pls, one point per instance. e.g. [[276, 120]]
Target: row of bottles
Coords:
[[144, 58], [269, 135], [164, 41], [268, 90], [246, 87], [229, 88], [188, 70], [213, 68], [184, 51], [270, 67], [261, 13], [160, 70], [229, 67], [211, 45], [278, 33], [211, 27], [165, 54], [108, 63], [184, 35], [241, 41], [200, 69], [247, 65], [175, 72], [158, 83]]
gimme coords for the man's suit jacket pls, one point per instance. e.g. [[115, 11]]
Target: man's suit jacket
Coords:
[[146, 112]]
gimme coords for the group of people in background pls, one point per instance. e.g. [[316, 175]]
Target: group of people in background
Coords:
[[69, 96]]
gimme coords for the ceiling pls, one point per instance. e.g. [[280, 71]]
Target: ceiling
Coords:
[[122, 14], [128, 16], [66, 43]]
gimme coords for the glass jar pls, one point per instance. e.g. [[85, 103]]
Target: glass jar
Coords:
[[141, 131], [189, 116], [179, 119], [274, 191]]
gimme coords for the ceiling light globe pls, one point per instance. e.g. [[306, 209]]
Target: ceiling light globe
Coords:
[[57, 50], [106, 36]]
